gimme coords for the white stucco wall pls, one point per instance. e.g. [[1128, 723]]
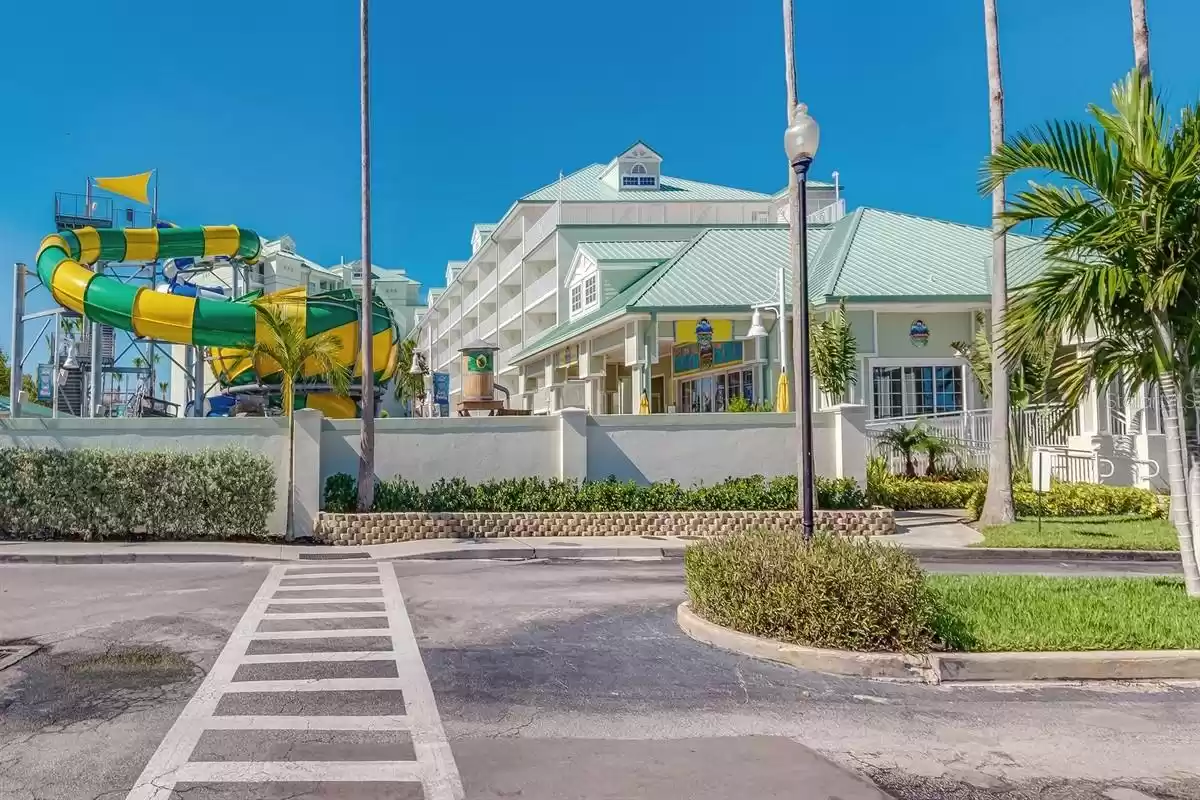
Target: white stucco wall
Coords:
[[702, 448], [266, 435], [423, 450], [944, 327]]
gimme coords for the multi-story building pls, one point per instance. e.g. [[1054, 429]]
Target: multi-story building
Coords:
[[536, 269]]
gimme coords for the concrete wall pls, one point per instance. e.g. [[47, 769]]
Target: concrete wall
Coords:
[[266, 435], [944, 327], [475, 448]]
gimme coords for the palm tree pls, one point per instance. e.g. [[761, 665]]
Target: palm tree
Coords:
[[936, 447], [290, 353], [409, 388], [998, 502], [366, 443], [162, 387], [834, 354], [1141, 38], [1124, 275], [905, 441]]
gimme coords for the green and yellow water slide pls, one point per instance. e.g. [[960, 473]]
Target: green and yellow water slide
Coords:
[[226, 327]]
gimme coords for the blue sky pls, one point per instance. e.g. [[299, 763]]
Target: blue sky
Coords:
[[250, 109]]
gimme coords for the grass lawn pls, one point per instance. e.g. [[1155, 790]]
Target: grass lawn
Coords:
[[1090, 533], [988, 613]]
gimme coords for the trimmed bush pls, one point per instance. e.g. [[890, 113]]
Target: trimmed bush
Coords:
[[539, 494], [1080, 500], [904, 494], [835, 593], [97, 494]]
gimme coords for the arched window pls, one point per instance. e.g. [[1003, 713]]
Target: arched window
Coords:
[[638, 169]]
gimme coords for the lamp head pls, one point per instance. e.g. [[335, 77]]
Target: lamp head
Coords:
[[757, 331], [415, 367], [802, 137]]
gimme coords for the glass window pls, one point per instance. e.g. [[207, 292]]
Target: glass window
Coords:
[[629, 180], [576, 298], [685, 396], [589, 290], [916, 391], [719, 397], [706, 395], [638, 169], [646, 180]]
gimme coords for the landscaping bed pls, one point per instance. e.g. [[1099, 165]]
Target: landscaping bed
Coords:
[[1086, 533]]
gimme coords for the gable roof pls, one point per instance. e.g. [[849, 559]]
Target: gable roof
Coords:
[[632, 251], [870, 255], [584, 186]]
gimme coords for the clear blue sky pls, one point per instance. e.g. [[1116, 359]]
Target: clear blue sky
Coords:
[[250, 108]]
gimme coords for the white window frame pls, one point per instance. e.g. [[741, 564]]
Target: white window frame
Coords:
[[577, 298], [638, 169], [869, 383], [590, 291]]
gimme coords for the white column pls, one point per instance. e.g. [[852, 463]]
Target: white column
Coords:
[[572, 451]]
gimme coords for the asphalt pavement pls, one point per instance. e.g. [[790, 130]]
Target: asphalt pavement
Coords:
[[547, 679]]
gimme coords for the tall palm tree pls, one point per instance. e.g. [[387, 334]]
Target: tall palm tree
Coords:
[[1141, 38], [287, 351], [998, 502], [409, 388], [366, 442], [1123, 239]]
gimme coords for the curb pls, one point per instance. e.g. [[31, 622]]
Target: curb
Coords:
[[878, 666], [133, 558], [936, 668], [1040, 554]]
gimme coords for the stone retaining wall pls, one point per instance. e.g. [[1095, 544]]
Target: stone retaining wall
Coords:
[[403, 526]]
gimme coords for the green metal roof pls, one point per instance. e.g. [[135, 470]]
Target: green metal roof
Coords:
[[28, 409], [483, 228], [632, 251], [870, 255], [585, 186]]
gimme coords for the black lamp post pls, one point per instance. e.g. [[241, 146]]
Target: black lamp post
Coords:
[[801, 140]]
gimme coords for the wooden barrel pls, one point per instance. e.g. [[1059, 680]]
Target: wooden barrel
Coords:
[[478, 375]]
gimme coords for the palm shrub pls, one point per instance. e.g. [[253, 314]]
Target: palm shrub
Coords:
[[290, 353], [1122, 238], [834, 353], [905, 441]]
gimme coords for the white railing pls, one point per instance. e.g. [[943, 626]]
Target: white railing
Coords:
[[509, 263], [472, 298], [510, 309], [488, 326], [541, 287], [829, 214], [507, 354], [541, 229]]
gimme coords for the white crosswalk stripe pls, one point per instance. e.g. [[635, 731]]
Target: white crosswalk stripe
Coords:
[[433, 767]]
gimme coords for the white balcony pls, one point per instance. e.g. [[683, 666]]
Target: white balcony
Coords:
[[487, 328], [509, 264], [541, 229], [829, 214], [541, 288], [504, 357], [510, 309]]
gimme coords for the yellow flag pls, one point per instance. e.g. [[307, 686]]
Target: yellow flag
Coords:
[[135, 187], [781, 394]]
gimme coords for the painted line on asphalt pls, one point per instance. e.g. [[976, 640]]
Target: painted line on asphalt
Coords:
[[323, 614], [434, 767], [304, 601]]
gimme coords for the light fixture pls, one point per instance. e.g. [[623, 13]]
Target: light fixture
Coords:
[[802, 136], [415, 367], [757, 331], [70, 362]]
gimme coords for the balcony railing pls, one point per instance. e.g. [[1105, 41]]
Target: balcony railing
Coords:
[[540, 288], [505, 357], [829, 214], [544, 226], [472, 298], [509, 263], [510, 308], [488, 326]]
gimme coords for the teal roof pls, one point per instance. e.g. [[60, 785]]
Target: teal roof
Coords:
[[585, 186], [632, 251], [483, 228], [870, 255]]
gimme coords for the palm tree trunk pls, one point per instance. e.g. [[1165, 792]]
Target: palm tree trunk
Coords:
[[1176, 479], [366, 443], [289, 403], [998, 502], [1141, 37]]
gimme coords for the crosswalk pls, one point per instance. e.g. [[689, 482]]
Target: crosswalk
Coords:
[[319, 691]]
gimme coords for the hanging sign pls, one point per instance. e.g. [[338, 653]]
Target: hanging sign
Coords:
[[704, 344], [918, 333]]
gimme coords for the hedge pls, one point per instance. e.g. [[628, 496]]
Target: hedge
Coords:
[[539, 494], [903, 494], [835, 593], [97, 494], [1080, 500]]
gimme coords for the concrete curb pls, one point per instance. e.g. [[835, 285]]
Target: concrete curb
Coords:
[[878, 666], [1040, 554], [935, 668], [133, 558]]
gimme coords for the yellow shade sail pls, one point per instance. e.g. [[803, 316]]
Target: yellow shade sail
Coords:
[[782, 404], [135, 187]]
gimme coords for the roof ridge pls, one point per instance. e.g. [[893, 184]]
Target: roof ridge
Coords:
[[667, 265], [554, 183], [954, 223], [843, 253]]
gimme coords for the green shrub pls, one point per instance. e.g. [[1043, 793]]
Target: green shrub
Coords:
[[97, 494], [904, 494], [539, 494], [1080, 500], [835, 593]]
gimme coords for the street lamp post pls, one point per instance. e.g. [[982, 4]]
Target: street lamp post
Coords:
[[800, 141]]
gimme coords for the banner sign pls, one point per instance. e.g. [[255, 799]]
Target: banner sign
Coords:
[[45, 381], [704, 344], [441, 393]]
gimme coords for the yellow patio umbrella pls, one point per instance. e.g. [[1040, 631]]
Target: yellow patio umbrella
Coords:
[[781, 395]]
